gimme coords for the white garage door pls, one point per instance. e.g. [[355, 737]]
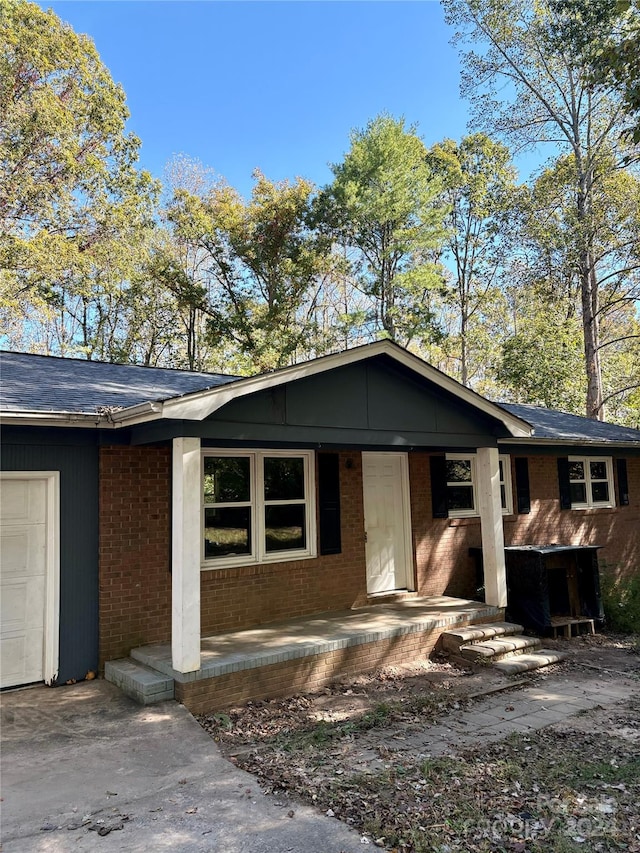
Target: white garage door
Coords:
[[28, 571]]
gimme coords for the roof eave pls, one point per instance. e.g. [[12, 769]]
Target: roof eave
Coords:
[[571, 441], [106, 419], [90, 420]]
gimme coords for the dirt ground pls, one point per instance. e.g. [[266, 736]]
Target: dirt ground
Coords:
[[571, 786]]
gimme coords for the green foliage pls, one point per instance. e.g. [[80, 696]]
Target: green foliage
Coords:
[[541, 364], [527, 89], [613, 56], [543, 355], [621, 600], [255, 267], [383, 205], [478, 184], [72, 203]]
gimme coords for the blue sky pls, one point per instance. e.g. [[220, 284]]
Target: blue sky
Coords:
[[272, 85]]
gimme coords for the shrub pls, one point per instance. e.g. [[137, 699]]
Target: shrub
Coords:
[[621, 601]]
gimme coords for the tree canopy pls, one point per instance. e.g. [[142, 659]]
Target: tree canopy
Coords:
[[521, 290], [71, 197], [478, 183], [383, 205], [256, 266], [549, 97]]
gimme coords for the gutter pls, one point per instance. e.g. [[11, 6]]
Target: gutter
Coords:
[[60, 419], [106, 419]]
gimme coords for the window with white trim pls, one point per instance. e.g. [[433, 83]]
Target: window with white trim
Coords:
[[462, 481], [258, 506], [591, 482]]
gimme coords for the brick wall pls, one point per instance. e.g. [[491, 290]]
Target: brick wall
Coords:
[[441, 545], [135, 555], [135, 548], [617, 530], [252, 595]]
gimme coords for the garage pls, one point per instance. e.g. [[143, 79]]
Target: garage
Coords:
[[29, 573]]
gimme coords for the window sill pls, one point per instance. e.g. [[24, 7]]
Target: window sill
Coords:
[[604, 510], [464, 521], [241, 563]]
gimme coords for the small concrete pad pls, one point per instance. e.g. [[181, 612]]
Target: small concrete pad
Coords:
[[523, 663], [452, 640], [139, 682], [497, 647]]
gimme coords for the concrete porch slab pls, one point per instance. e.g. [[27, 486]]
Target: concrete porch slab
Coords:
[[324, 633]]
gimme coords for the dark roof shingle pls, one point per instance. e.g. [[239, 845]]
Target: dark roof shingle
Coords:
[[552, 424], [39, 383]]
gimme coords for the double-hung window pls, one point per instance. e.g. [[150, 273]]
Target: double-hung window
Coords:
[[462, 484], [591, 482], [258, 506]]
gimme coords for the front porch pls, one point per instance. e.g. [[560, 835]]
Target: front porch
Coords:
[[301, 653]]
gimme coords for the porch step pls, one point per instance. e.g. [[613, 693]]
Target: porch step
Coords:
[[527, 662], [499, 647], [500, 644], [377, 598], [452, 641], [141, 683]]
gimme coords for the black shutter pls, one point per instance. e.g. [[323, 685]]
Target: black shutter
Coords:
[[439, 486], [623, 482], [329, 503], [564, 482], [522, 484]]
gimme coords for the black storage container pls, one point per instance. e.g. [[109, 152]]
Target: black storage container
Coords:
[[549, 586]]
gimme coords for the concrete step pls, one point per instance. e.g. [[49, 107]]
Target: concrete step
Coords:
[[451, 641], [527, 662], [139, 682], [499, 647]]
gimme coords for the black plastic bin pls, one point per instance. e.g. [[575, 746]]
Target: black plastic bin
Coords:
[[550, 582]]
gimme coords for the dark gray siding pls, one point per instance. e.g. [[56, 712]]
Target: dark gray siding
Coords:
[[74, 454], [376, 404]]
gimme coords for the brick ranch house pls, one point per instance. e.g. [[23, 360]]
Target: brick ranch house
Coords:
[[146, 506]]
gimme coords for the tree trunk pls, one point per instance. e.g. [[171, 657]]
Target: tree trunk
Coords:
[[591, 333], [589, 298]]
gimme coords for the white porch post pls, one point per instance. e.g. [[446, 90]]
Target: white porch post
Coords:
[[490, 505], [185, 555]]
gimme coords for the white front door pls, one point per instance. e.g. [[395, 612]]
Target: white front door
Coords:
[[28, 578], [387, 521]]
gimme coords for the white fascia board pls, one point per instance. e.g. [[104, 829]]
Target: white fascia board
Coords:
[[516, 426], [90, 420], [201, 404]]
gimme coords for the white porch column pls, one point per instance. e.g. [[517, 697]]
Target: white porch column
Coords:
[[490, 505], [185, 555]]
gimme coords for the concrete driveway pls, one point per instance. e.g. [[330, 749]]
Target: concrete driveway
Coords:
[[86, 769]]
